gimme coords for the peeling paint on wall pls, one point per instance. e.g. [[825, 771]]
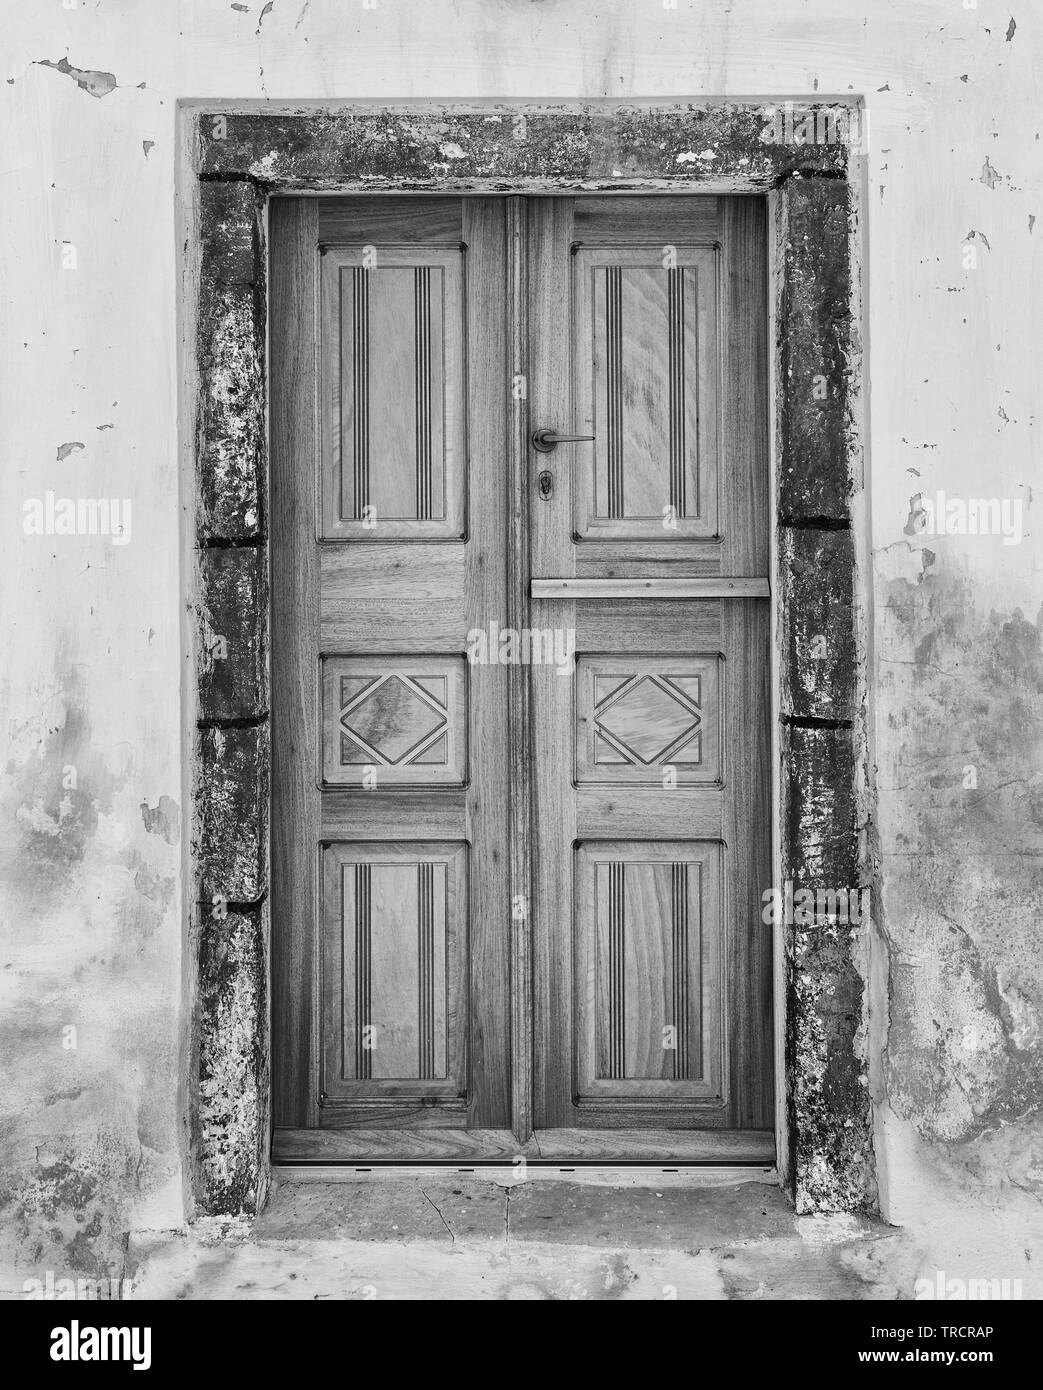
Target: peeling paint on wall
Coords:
[[98, 84]]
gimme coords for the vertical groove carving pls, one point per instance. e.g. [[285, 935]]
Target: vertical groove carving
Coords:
[[363, 973], [679, 915], [616, 967], [360, 360], [675, 319], [422, 348], [614, 387], [426, 972]]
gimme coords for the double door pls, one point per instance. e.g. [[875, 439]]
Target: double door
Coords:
[[521, 800]]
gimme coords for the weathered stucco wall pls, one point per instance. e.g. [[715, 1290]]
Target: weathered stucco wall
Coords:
[[91, 817]]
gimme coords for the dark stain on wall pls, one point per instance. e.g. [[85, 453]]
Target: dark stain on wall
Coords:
[[55, 795], [96, 1123], [163, 819], [965, 862]]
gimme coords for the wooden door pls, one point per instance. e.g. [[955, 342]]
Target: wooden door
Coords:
[[441, 806], [390, 894], [651, 784]]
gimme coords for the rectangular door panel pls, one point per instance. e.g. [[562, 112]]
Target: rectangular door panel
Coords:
[[649, 984], [393, 392], [648, 720], [395, 973], [394, 721], [646, 387]]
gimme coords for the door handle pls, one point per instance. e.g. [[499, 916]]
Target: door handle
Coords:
[[545, 441]]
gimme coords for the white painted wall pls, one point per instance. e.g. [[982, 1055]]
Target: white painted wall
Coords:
[[93, 910]]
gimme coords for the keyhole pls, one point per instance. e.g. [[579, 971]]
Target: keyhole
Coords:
[[546, 481]]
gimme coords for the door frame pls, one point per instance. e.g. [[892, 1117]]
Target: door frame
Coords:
[[232, 158]]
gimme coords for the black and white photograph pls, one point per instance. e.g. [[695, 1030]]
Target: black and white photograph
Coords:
[[522, 679]]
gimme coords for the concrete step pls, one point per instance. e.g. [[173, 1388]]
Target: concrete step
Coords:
[[461, 1236]]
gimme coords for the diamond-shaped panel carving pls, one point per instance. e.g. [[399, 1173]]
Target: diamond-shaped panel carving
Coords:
[[394, 721], [646, 719], [391, 721], [638, 716]]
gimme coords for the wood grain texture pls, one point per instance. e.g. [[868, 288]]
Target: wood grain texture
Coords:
[[654, 586], [640, 559], [519, 719], [744, 524], [377, 1145], [295, 598], [625, 220], [447, 1145], [553, 554], [651, 1145], [488, 807], [433, 814], [643, 811], [638, 625], [389, 220], [747, 834]]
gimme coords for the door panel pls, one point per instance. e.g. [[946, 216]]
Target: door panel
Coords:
[[401, 718], [390, 894], [395, 1003], [648, 970], [647, 388], [394, 404], [652, 967], [636, 716]]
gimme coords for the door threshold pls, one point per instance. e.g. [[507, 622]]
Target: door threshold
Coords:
[[705, 1175]]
